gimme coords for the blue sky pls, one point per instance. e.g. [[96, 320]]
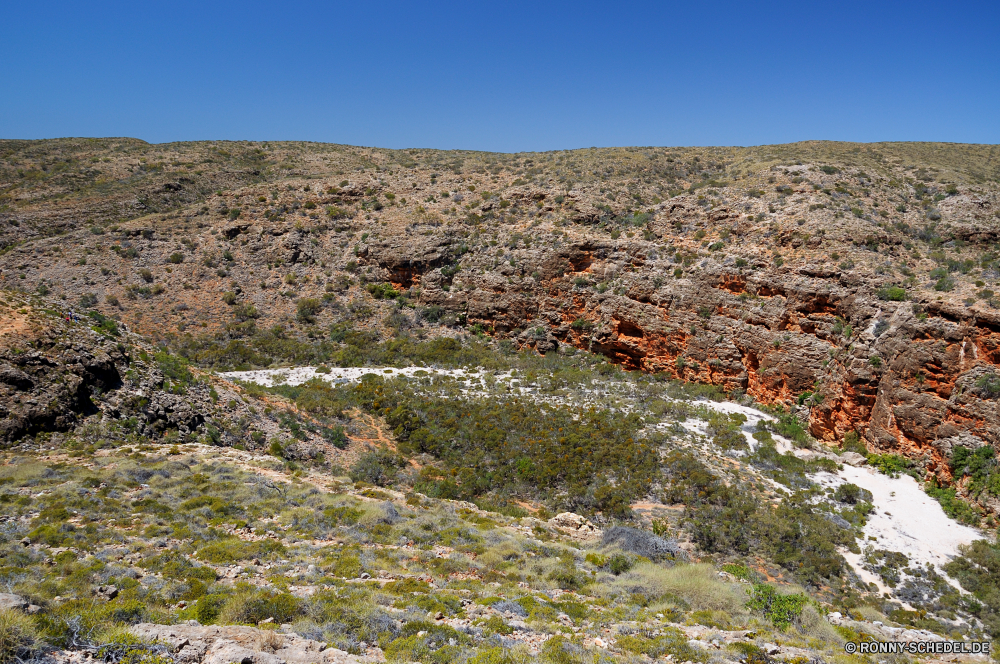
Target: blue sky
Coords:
[[506, 76]]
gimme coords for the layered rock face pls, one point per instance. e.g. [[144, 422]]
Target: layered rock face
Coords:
[[909, 376]]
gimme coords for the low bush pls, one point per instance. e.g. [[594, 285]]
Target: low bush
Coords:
[[697, 585], [307, 308], [378, 467], [889, 464], [780, 609], [892, 293], [671, 644], [852, 494], [641, 543], [18, 636], [250, 606], [232, 549]]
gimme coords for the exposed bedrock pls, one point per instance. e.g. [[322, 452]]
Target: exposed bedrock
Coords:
[[909, 376]]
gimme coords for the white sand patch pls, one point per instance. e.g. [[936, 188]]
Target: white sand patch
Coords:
[[754, 417], [905, 519], [299, 375]]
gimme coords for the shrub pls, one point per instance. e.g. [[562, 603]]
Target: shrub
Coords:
[[852, 443], [276, 450], [781, 610], [250, 606], [307, 308], [697, 585], [118, 644], [231, 550], [146, 275], [229, 297], [378, 467], [978, 572], [244, 312], [889, 464], [988, 386], [892, 293], [335, 435], [104, 325], [619, 564], [672, 644], [173, 368], [945, 284], [382, 291], [176, 258], [641, 543], [18, 637], [852, 494]]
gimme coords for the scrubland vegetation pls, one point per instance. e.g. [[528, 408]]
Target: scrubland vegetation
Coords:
[[184, 536]]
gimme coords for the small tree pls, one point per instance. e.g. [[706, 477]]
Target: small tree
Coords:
[[306, 309]]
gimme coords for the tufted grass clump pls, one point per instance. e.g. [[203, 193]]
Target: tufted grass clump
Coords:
[[249, 606], [19, 637]]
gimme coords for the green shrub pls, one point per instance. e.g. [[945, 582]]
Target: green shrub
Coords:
[[953, 506], [176, 258], [978, 572], [892, 293], [945, 284], [889, 464], [781, 610], [307, 308], [852, 494], [619, 564], [174, 368], [232, 549], [250, 606], [382, 291], [243, 312], [276, 450], [988, 386], [105, 325], [18, 636], [672, 642], [378, 467]]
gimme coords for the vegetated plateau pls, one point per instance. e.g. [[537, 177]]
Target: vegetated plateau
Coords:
[[296, 402]]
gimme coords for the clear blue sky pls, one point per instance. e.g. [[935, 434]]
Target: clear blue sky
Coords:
[[507, 76]]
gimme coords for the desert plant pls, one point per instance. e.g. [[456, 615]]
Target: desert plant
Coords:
[[306, 309], [18, 636]]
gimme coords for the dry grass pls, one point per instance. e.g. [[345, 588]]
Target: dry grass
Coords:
[[269, 641], [17, 635], [698, 585]]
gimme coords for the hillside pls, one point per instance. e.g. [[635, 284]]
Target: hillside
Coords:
[[621, 404]]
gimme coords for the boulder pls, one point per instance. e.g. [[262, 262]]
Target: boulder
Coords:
[[10, 601]]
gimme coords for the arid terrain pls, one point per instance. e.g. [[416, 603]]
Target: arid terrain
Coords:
[[623, 404]]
